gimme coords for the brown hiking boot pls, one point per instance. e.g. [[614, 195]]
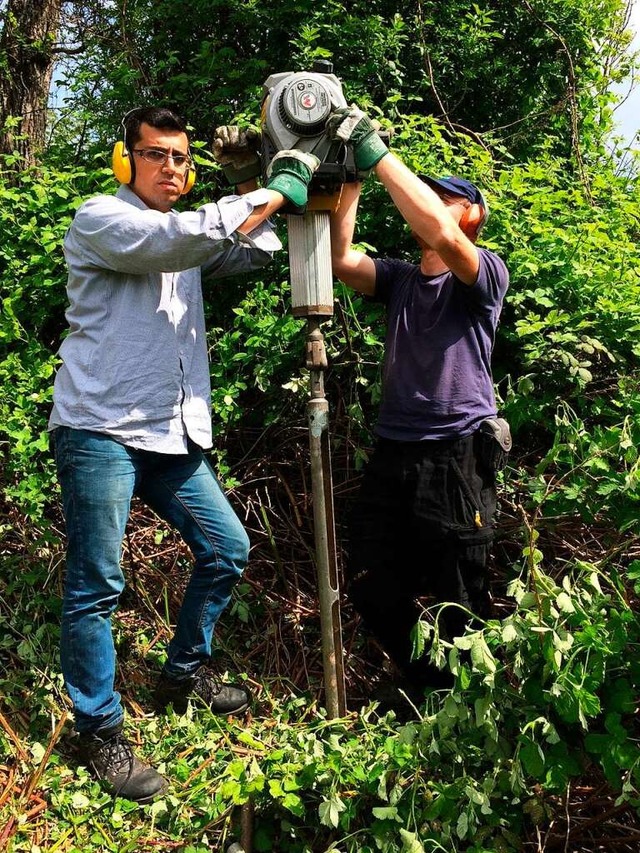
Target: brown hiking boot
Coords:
[[111, 759]]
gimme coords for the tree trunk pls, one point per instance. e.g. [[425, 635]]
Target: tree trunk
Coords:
[[27, 40]]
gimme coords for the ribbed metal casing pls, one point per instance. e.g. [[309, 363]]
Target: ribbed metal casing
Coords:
[[310, 264]]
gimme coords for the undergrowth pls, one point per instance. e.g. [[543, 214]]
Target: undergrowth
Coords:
[[544, 698]]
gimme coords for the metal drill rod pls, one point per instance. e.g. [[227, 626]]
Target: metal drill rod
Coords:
[[324, 524], [312, 297]]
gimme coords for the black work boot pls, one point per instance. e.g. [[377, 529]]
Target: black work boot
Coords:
[[110, 757], [223, 699]]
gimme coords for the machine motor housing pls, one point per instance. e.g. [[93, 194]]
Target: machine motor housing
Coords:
[[295, 109]]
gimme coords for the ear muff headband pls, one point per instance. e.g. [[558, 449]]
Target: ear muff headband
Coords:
[[123, 164]]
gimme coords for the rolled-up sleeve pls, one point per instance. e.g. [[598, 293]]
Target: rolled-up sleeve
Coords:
[[245, 252], [120, 233]]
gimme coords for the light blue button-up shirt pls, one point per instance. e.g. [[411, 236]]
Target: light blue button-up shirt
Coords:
[[135, 363]]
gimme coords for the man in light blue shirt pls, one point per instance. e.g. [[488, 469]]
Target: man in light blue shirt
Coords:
[[132, 416]]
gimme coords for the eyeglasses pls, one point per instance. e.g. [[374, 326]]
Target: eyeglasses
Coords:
[[159, 158]]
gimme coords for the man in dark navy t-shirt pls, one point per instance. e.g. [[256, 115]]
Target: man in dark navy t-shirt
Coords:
[[423, 521]]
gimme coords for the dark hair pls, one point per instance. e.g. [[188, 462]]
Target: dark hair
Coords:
[[159, 117]]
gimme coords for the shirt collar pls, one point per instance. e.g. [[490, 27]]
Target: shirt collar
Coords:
[[125, 193]]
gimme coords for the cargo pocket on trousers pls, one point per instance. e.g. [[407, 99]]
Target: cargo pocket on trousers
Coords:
[[473, 516]]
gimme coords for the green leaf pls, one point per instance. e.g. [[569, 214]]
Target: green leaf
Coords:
[[410, 843], [385, 813], [532, 759], [564, 603], [329, 811]]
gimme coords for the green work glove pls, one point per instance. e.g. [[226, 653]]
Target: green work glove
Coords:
[[353, 127], [289, 173], [236, 150]]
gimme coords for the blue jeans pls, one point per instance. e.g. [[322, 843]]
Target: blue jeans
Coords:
[[98, 477]]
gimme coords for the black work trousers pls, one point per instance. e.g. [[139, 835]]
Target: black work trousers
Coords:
[[421, 525]]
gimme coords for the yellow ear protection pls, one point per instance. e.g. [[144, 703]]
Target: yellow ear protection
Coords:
[[124, 167], [122, 163], [189, 180]]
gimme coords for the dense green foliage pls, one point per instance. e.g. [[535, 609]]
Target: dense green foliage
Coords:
[[526, 71], [515, 98]]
